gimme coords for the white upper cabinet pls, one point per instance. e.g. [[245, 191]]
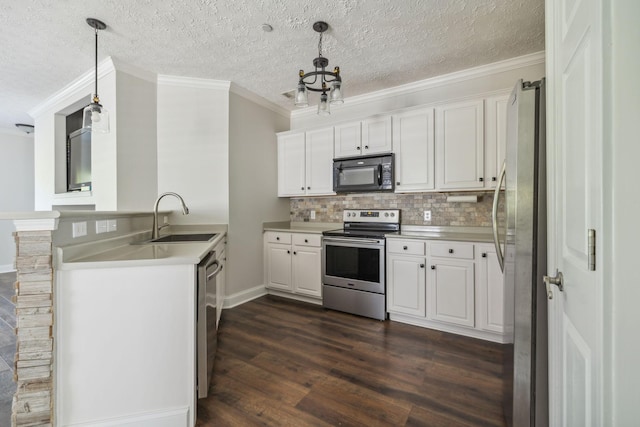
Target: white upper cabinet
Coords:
[[376, 135], [305, 163], [413, 142], [496, 137], [291, 165], [319, 162], [460, 145], [348, 140], [370, 136]]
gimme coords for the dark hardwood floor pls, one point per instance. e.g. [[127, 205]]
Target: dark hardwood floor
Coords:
[[285, 363]]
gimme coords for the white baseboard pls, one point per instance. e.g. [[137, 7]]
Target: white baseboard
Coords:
[[297, 297], [172, 418], [7, 268], [236, 299]]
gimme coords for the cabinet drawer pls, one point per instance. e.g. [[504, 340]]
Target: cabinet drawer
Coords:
[[277, 237], [409, 247], [306, 239], [452, 250]]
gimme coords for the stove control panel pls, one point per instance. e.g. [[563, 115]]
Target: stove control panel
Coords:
[[381, 215]]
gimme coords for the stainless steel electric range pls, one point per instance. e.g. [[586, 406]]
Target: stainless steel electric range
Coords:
[[353, 262]]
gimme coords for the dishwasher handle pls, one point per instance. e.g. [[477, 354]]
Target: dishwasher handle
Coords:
[[216, 271]]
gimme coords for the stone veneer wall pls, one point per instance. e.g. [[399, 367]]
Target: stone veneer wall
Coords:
[[32, 403], [329, 209]]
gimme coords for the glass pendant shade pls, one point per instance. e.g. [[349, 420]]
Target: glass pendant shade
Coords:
[[302, 99], [336, 93], [323, 106], [96, 118]]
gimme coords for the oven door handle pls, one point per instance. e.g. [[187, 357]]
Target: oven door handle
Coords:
[[353, 241]]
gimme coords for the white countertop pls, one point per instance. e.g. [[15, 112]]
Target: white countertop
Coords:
[[131, 251], [301, 227], [462, 234]]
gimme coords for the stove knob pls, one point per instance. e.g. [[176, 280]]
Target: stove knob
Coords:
[[348, 213], [386, 214], [393, 214]]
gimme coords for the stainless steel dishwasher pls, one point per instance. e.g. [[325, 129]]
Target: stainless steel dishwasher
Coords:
[[208, 268]]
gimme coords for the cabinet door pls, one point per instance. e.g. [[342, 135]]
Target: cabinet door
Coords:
[[406, 287], [490, 291], [307, 269], [319, 162], [291, 165], [221, 281], [279, 267], [450, 292], [347, 140], [376, 135], [496, 137], [460, 145], [413, 145]]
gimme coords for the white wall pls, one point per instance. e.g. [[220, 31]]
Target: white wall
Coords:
[[622, 226], [16, 187], [253, 186], [481, 80], [193, 148]]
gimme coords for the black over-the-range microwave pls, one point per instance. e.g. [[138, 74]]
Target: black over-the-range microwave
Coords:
[[363, 174]]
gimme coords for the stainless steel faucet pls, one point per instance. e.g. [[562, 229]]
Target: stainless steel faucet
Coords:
[[155, 230]]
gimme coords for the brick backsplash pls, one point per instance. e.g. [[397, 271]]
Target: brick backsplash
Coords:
[[329, 209]]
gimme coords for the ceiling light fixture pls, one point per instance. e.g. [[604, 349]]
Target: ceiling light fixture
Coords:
[[320, 77], [95, 116], [25, 127]]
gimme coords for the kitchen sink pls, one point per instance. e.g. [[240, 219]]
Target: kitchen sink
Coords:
[[184, 238]]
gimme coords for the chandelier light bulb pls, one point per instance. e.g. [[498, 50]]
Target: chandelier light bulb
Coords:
[[336, 93], [323, 106], [302, 99]]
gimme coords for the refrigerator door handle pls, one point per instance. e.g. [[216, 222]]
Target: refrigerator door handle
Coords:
[[494, 217]]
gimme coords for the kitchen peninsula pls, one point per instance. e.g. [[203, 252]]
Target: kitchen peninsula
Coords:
[[120, 311]]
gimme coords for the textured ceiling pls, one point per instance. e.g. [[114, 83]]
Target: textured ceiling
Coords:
[[377, 44]]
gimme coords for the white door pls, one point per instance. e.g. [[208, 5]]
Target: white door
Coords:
[[406, 287], [348, 138], [291, 165], [376, 135], [574, 70], [490, 287], [279, 267], [307, 271], [413, 145], [460, 145], [450, 292], [319, 162], [496, 137]]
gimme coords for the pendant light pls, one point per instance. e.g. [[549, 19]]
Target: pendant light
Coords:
[[95, 116], [319, 79]]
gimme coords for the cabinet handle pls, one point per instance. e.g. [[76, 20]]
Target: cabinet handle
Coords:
[[306, 240], [288, 252], [357, 148], [302, 188], [450, 251], [481, 179], [295, 253], [405, 248], [433, 267], [484, 254], [398, 183], [277, 238], [421, 265], [493, 178], [308, 188], [366, 147]]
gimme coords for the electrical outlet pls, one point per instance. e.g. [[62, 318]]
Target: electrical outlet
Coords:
[[427, 215], [79, 229], [101, 226], [312, 214]]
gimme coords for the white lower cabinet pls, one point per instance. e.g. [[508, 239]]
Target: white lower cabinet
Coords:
[[221, 278], [450, 286], [293, 264]]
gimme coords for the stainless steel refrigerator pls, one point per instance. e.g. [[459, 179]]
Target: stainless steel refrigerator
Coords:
[[524, 260]]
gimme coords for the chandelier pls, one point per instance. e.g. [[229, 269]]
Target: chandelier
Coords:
[[320, 80], [95, 116]]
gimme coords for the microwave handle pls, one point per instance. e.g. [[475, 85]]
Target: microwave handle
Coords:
[[379, 174]]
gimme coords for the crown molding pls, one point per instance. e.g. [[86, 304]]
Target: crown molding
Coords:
[[134, 71], [193, 82], [433, 82], [105, 67], [257, 99]]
